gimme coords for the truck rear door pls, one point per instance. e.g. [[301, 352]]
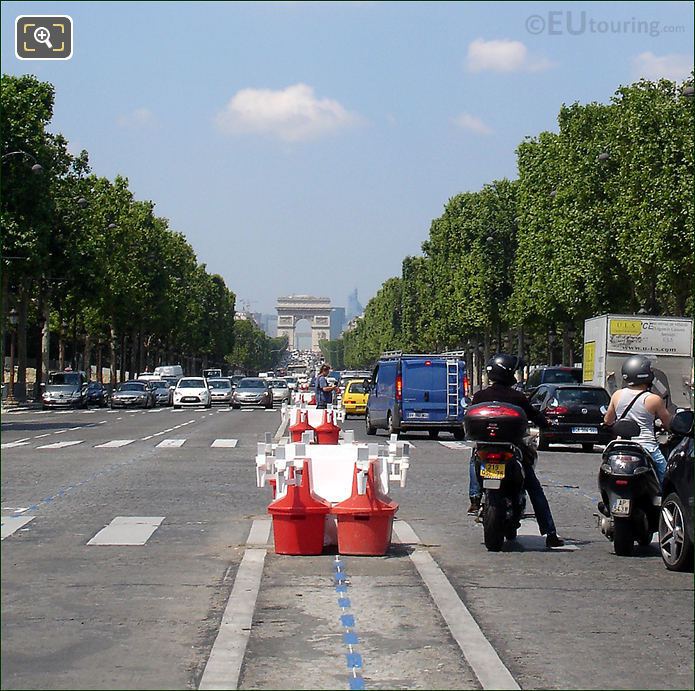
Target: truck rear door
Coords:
[[424, 390]]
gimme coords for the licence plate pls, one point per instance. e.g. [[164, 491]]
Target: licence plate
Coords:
[[584, 430], [494, 471], [418, 416], [621, 507]]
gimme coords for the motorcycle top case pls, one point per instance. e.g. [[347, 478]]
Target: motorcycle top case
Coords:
[[495, 422]]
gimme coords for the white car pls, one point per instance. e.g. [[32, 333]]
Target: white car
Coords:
[[192, 391]]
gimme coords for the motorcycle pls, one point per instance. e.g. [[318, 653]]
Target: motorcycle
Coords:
[[497, 429], [630, 491]]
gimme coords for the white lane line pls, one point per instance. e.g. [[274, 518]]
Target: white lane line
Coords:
[[171, 444], [457, 444], [60, 431], [127, 530], [60, 444], [115, 444], [224, 443], [41, 436], [480, 655], [103, 422], [227, 655], [13, 444], [11, 524]]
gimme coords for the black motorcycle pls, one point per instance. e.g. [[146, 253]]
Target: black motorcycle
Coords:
[[497, 429], [630, 492]]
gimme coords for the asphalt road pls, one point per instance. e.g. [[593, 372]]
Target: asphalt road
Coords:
[[78, 615]]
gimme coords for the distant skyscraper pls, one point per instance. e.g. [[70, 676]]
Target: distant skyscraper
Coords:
[[337, 322], [354, 309]]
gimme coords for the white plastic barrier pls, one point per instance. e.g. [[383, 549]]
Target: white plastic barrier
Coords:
[[315, 414]]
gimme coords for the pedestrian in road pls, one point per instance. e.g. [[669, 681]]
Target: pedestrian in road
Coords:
[[500, 370], [324, 390], [636, 402]]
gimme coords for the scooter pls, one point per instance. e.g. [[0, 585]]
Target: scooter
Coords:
[[497, 428], [630, 491]]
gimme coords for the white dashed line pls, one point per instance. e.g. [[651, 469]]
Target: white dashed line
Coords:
[[60, 444], [171, 443], [115, 444], [224, 443], [127, 530]]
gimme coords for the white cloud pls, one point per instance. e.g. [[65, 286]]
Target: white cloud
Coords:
[[673, 66], [503, 56], [140, 117], [472, 124], [291, 114]]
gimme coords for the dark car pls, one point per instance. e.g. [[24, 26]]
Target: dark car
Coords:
[[133, 393], [575, 413], [550, 375], [161, 390], [252, 391], [676, 520], [96, 394]]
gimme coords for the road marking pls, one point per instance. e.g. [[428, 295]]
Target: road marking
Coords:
[[11, 524], [41, 436], [170, 444], [532, 539], [480, 655], [227, 655], [115, 444], [127, 530], [457, 444], [60, 444], [224, 443], [13, 444]]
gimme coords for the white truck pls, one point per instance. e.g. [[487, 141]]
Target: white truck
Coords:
[[668, 341]]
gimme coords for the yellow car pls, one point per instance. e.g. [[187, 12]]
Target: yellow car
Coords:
[[355, 398]]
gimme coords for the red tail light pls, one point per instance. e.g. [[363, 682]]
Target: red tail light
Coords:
[[495, 456], [465, 386], [557, 410], [399, 387], [621, 482]]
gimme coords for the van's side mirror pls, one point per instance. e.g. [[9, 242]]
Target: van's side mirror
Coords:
[[367, 385]]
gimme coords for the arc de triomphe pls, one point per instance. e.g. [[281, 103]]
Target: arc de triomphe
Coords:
[[317, 311]]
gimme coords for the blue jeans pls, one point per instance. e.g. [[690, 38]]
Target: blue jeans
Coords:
[[541, 508], [659, 464], [473, 486]]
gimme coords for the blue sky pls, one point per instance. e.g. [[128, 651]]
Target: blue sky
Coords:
[[305, 147]]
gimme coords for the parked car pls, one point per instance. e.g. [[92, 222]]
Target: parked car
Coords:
[[417, 392], [220, 390], [192, 391], [550, 375], [163, 394], [676, 520], [355, 397], [575, 413], [133, 393], [280, 390], [65, 390], [96, 394], [252, 391]]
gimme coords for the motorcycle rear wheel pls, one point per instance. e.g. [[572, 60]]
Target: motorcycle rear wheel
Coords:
[[493, 527], [623, 538]]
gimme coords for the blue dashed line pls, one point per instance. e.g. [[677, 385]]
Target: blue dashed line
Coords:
[[350, 637]]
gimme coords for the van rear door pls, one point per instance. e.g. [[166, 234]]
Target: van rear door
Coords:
[[424, 390]]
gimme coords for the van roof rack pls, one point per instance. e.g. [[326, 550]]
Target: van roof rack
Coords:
[[394, 354]]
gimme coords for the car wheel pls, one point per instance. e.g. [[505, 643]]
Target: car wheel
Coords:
[[459, 434], [588, 447], [390, 429], [236, 407], [347, 415], [433, 433], [675, 547], [542, 442], [177, 407], [371, 430]]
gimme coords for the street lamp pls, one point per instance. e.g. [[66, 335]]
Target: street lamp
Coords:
[[37, 168], [13, 324]]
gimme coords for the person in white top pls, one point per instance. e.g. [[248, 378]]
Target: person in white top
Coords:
[[642, 406]]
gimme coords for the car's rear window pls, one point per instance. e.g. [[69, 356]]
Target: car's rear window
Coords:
[[357, 387], [561, 376], [583, 396]]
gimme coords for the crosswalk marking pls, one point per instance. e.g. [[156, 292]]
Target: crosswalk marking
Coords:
[[224, 443], [457, 444], [127, 530], [13, 444], [11, 524], [171, 443], [60, 444], [115, 444]]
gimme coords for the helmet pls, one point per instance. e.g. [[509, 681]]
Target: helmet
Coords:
[[501, 368], [638, 370]]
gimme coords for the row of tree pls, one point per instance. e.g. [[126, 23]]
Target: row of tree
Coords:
[[599, 220], [87, 262]]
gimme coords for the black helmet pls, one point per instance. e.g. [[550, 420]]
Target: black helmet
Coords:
[[638, 370], [501, 368]]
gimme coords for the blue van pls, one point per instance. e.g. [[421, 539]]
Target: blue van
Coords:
[[412, 392]]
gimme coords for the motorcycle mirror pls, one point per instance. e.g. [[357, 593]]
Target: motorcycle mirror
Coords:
[[626, 429], [682, 423]]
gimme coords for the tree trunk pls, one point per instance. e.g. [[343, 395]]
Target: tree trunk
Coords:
[[566, 344], [486, 357], [134, 354], [141, 359], [22, 343], [86, 356], [112, 355], [100, 374]]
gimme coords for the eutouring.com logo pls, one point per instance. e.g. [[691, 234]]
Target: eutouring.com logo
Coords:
[[569, 23], [43, 37]]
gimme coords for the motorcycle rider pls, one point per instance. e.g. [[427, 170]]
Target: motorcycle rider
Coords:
[[500, 369], [642, 406]]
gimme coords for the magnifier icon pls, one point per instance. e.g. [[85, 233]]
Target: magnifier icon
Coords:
[[43, 35]]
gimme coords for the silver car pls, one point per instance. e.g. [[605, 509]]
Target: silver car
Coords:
[[220, 390], [162, 393], [280, 389], [252, 391]]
